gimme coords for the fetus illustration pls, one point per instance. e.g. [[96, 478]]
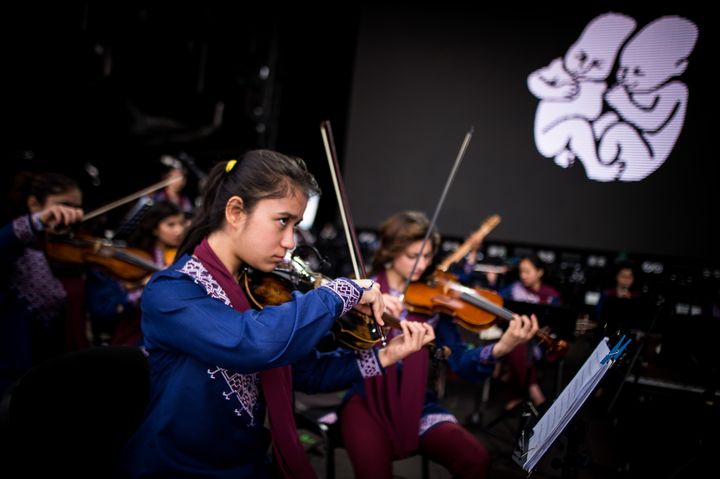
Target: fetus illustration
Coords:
[[571, 92], [648, 102]]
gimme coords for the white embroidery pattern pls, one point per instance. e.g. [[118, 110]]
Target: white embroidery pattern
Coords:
[[485, 355], [347, 290], [202, 276], [23, 230], [430, 420], [367, 363], [244, 387]]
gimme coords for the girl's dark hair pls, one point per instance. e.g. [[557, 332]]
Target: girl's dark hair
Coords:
[[398, 232], [170, 163], [623, 264], [40, 185], [257, 175], [534, 260], [144, 237]]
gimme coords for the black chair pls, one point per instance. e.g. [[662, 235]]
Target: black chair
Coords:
[[71, 416]]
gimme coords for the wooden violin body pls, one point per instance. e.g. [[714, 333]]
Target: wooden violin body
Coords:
[[354, 330], [130, 265], [126, 264], [439, 296], [474, 309]]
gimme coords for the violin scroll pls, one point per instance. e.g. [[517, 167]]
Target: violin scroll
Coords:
[[552, 344]]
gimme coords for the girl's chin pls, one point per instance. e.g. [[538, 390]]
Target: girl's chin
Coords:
[[264, 267]]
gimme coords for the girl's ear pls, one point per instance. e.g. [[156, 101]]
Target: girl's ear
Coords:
[[234, 211], [33, 204]]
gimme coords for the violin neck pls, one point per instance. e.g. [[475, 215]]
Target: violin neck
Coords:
[[391, 320], [137, 261], [550, 341], [475, 299], [440, 353]]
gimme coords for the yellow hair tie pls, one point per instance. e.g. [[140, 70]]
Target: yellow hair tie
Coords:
[[230, 165]]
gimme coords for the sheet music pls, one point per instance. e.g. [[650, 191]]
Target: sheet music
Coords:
[[566, 405]]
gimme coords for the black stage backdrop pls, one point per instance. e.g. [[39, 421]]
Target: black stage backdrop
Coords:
[[114, 86], [424, 76]]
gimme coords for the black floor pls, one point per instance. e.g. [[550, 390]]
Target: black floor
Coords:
[[624, 429]]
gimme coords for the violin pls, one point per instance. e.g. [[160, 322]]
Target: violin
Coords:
[[131, 265], [354, 330], [443, 293], [473, 309], [127, 264]]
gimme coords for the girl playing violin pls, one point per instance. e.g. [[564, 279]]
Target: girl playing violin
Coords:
[[521, 370], [216, 365], [160, 232], [41, 310], [114, 304], [392, 416], [174, 191]]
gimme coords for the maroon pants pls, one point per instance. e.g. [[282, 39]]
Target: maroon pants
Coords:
[[521, 369], [370, 450]]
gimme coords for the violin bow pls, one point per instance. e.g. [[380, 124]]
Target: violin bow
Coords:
[[129, 198], [348, 225], [451, 177]]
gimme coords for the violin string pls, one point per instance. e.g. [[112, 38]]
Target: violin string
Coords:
[[472, 297], [136, 261]]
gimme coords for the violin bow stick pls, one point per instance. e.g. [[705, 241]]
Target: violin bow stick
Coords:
[[129, 198], [348, 225], [339, 186], [451, 177]]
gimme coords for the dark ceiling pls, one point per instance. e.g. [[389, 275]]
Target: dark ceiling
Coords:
[[118, 85]]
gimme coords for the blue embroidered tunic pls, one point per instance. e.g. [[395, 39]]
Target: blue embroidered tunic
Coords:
[[32, 303], [206, 416]]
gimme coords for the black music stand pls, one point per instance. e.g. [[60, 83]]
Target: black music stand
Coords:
[[624, 314], [561, 321], [559, 318], [674, 366], [639, 347], [539, 434]]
